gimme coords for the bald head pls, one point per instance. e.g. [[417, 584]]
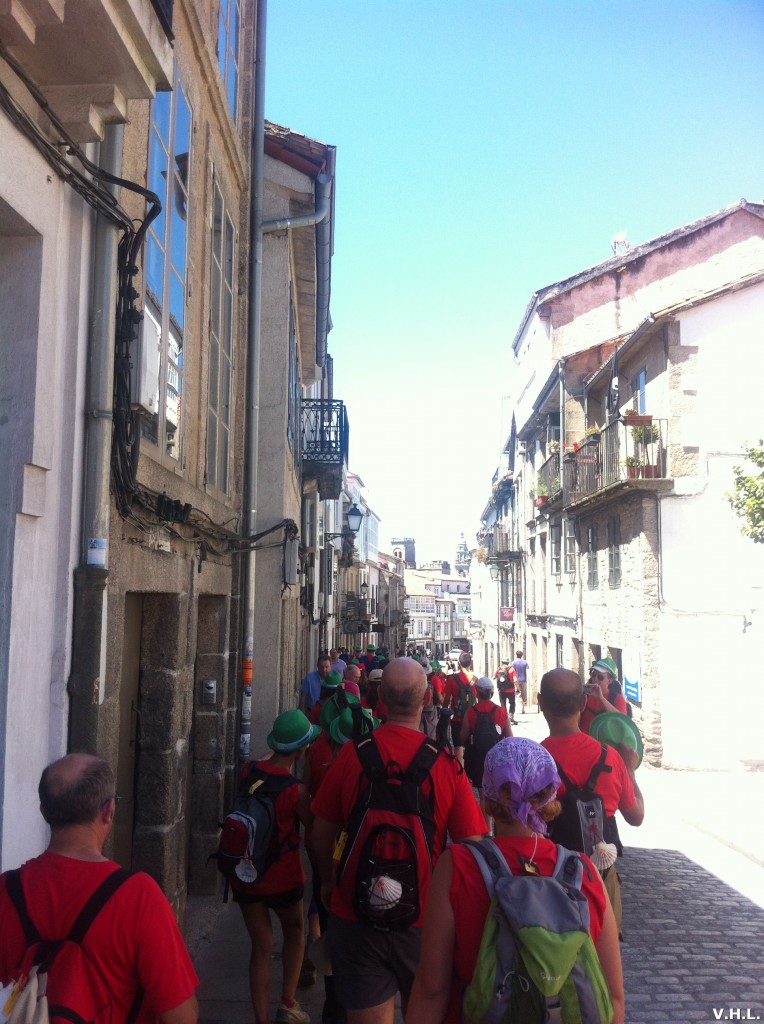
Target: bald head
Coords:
[[561, 693], [74, 789], [403, 687]]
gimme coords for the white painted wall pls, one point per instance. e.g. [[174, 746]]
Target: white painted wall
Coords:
[[40, 515]]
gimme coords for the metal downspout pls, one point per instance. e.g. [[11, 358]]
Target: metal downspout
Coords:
[[252, 398], [88, 669]]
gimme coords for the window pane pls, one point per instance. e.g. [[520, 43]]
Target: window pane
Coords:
[[215, 296], [227, 328], [214, 372], [154, 270], [229, 235], [178, 247], [212, 449], [160, 112], [182, 142], [225, 395], [223, 465], [158, 180], [222, 36], [232, 86], [177, 301]]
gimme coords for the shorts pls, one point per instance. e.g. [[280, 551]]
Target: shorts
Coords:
[[523, 687], [272, 900], [369, 967]]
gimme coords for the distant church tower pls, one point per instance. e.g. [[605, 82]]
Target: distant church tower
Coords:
[[404, 548], [462, 563]]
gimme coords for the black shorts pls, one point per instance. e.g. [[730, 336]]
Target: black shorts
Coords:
[[272, 900], [370, 966]]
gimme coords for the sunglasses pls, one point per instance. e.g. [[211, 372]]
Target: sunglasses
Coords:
[[597, 676]]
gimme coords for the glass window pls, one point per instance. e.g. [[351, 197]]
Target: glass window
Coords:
[[591, 551], [614, 551], [229, 20], [556, 553], [638, 384], [221, 330], [165, 266], [570, 546]]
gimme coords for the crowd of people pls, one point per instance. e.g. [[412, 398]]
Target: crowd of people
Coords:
[[388, 773]]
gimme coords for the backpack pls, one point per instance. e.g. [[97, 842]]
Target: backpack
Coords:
[[485, 735], [56, 980], [582, 824], [536, 933], [614, 690], [249, 841], [505, 683], [466, 699], [385, 850]]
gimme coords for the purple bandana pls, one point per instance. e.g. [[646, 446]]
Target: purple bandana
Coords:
[[528, 768]]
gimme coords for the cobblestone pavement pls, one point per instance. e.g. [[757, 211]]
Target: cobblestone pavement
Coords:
[[693, 909]]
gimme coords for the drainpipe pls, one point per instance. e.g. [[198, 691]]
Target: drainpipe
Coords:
[[88, 668], [320, 217], [255, 288]]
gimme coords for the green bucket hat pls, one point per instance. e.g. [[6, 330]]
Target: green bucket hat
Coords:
[[612, 728], [291, 731], [341, 729], [331, 681], [371, 647], [334, 708], [606, 665]]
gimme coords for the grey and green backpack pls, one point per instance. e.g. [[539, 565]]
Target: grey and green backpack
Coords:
[[537, 961]]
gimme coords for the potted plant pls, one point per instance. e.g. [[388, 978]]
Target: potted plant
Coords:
[[553, 447], [645, 433], [637, 419], [542, 496], [633, 466], [592, 434]]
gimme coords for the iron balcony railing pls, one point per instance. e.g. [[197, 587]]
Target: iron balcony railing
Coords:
[[623, 451], [550, 479], [325, 431]]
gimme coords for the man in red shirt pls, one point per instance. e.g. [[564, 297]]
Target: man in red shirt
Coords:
[[562, 699], [371, 966], [134, 942], [460, 694]]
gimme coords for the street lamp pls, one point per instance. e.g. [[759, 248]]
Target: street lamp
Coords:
[[355, 516], [364, 588], [495, 571]]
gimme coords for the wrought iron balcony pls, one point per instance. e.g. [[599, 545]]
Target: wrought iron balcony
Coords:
[[624, 451], [550, 478], [325, 439]]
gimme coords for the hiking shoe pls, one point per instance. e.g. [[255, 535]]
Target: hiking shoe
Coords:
[[291, 1015], [307, 973]]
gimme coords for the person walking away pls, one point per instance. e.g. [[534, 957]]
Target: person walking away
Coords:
[[460, 694], [506, 678], [521, 666], [603, 693], [281, 887], [330, 684], [482, 728], [372, 965], [519, 786], [429, 723], [580, 758], [133, 943]]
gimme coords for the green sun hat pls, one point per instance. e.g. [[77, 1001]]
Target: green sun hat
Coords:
[[291, 731], [331, 681], [606, 665], [612, 728], [334, 708], [341, 729]]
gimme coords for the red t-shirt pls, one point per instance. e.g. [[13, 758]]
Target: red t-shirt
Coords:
[[287, 872], [453, 692], [320, 756], [438, 683], [469, 899], [578, 754], [499, 715], [594, 708], [456, 810], [134, 941]]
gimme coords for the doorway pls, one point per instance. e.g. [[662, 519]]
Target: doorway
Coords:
[[128, 737]]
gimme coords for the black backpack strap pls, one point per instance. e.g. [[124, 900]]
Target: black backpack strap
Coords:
[[96, 903], [369, 756], [598, 769], [424, 759], [15, 890], [563, 777]]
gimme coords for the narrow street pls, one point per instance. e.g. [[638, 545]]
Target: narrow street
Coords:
[[693, 908]]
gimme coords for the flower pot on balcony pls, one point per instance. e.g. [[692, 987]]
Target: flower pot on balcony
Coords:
[[633, 472], [650, 472], [541, 500], [634, 419]]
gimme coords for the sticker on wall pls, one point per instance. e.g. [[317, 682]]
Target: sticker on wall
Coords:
[[97, 551]]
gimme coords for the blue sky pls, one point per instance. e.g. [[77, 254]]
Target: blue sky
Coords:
[[485, 150]]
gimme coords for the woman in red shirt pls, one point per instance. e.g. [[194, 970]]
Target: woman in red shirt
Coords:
[[603, 693], [519, 786]]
